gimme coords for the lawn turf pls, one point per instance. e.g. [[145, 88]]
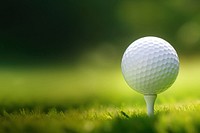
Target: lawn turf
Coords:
[[92, 98]]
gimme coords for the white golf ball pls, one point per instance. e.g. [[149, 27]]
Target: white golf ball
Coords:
[[150, 65]]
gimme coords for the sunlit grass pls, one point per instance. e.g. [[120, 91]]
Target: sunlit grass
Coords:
[[168, 118], [85, 82], [94, 98]]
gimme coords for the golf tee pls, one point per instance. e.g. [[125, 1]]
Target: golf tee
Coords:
[[150, 100]]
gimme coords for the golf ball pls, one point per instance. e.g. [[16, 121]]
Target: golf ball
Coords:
[[150, 65]]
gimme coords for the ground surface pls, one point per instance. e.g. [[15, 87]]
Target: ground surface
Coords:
[[94, 98]]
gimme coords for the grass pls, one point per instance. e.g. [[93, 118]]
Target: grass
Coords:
[[168, 118], [93, 97]]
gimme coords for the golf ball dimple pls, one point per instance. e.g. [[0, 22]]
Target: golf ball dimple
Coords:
[[150, 65]]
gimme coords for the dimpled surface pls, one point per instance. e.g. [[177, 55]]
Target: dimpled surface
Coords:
[[150, 65]]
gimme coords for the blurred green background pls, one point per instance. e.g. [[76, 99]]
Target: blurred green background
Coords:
[[68, 52], [67, 29]]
